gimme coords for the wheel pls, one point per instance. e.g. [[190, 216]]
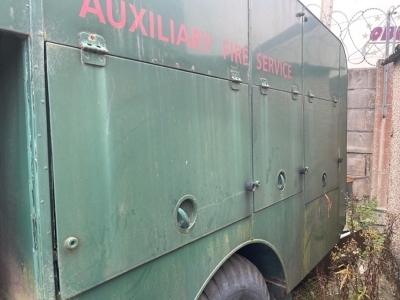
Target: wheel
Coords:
[[237, 279]]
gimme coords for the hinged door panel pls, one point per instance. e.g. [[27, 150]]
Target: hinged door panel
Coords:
[[133, 143], [276, 31], [321, 147], [321, 60], [278, 146]]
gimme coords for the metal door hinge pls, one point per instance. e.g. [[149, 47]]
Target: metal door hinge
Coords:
[[235, 80], [34, 230], [264, 86], [295, 92], [93, 49]]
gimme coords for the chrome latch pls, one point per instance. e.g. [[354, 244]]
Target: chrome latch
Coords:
[[235, 80], [93, 49], [264, 86], [295, 92]]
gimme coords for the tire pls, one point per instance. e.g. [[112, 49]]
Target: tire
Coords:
[[237, 279]]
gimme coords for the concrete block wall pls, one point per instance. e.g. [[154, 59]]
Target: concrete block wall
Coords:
[[360, 128], [380, 165]]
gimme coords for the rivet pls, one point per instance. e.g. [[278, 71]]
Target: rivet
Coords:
[[39, 135], [42, 201], [42, 101], [45, 167]]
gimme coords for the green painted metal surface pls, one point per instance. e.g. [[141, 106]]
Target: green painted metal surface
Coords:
[[321, 119], [320, 222], [343, 85], [178, 274], [15, 16], [277, 44], [284, 216], [321, 51], [278, 145], [17, 276], [128, 142], [208, 37], [134, 169]]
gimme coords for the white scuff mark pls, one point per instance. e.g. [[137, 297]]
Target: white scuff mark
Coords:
[[186, 163], [221, 201], [12, 13]]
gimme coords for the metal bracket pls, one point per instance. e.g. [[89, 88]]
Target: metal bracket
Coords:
[[295, 92], [310, 96], [264, 86], [235, 80], [93, 49]]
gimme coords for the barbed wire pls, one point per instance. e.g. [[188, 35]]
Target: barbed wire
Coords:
[[371, 24]]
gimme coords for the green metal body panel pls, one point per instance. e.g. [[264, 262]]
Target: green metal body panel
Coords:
[[285, 216], [343, 86], [108, 155], [320, 222], [277, 45], [321, 147], [15, 16], [321, 60], [17, 276], [136, 139], [277, 144], [204, 37]]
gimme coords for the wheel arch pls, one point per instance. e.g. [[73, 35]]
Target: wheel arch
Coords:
[[267, 260]]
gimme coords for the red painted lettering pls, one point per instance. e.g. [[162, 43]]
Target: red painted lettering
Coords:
[[259, 63], [277, 66], [265, 63], [159, 30], [207, 42], [271, 64], [138, 20], [232, 51], [196, 36], [172, 31], [183, 36], [225, 48], [151, 24], [238, 52], [283, 70], [110, 17], [96, 10]]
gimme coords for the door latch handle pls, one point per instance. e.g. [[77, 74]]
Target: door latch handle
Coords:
[[184, 218], [251, 186], [304, 170]]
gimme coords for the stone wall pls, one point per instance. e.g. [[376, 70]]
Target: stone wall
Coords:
[[360, 128]]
